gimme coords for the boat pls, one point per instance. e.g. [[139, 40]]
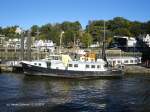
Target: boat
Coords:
[[62, 65]]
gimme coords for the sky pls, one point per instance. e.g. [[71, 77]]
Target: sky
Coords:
[[26, 13]]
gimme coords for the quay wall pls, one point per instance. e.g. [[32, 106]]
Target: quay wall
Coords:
[[136, 69], [12, 54]]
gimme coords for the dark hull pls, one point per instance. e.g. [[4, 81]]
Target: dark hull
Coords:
[[35, 70]]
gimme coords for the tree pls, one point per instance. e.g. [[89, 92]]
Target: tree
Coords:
[[96, 29], [122, 32], [1, 30], [118, 22], [86, 39], [147, 27], [136, 28], [72, 32], [51, 32], [74, 26], [10, 32], [34, 30]]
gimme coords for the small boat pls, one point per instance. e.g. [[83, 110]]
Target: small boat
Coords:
[[0, 66], [63, 66]]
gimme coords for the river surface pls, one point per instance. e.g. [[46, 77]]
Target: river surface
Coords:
[[20, 93]]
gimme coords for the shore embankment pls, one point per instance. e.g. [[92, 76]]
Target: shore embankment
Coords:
[[6, 68], [136, 69]]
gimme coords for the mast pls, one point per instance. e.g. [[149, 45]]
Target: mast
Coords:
[[104, 47]]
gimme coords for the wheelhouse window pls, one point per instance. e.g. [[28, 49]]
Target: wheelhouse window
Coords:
[[35, 63], [98, 66], [87, 66], [39, 64], [118, 61], [131, 61], [70, 65], [56, 58], [126, 61], [76, 65], [92, 66]]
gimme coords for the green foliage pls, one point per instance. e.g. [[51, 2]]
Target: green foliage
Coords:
[[147, 27], [86, 39], [95, 28], [122, 32], [136, 28], [119, 26], [73, 31], [68, 38], [34, 30], [74, 26], [10, 32]]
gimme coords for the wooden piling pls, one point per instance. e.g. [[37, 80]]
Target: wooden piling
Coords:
[[29, 42]]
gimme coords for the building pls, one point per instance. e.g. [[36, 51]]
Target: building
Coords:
[[18, 30], [115, 61], [2, 40], [125, 43], [44, 45], [146, 39], [14, 43]]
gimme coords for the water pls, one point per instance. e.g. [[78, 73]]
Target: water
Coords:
[[20, 93]]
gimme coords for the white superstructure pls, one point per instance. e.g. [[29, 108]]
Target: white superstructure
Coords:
[[64, 62]]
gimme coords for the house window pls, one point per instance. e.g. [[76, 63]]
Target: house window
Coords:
[[92, 66], [70, 65], [131, 61], [39, 64], [75, 65], [87, 66]]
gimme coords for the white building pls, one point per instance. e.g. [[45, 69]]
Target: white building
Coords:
[[44, 45], [18, 30], [130, 41], [146, 39], [114, 61], [14, 43]]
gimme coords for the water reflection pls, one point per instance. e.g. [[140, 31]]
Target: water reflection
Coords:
[[53, 94], [77, 94]]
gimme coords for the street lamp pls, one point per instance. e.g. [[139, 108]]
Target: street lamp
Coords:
[[60, 41]]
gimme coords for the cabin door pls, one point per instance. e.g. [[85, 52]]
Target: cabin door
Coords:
[[48, 64]]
